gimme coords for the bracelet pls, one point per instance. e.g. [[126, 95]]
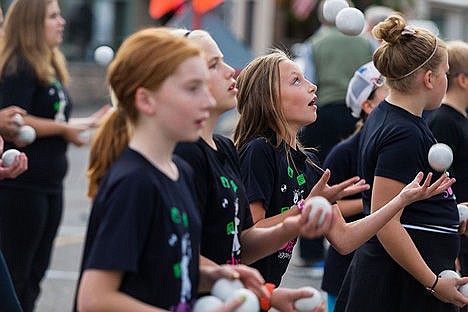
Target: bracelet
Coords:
[[431, 290], [300, 205], [265, 302]]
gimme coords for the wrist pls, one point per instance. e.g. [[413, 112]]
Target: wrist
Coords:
[[265, 303], [431, 288]]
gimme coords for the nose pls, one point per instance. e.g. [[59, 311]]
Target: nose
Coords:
[[229, 71], [312, 87]]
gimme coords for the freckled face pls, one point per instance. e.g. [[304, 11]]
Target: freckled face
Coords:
[[297, 95], [185, 101]]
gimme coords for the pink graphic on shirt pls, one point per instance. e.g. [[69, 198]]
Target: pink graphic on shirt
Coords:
[[448, 192], [289, 246]]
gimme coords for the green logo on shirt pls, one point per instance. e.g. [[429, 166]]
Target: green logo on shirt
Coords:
[[290, 172], [230, 228], [177, 270], [301, 179], [228, 183], [179, 218]]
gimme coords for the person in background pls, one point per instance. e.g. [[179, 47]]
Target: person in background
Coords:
[[33, 76], [400, 266], [274, 102], [365, 91], [449, 124]]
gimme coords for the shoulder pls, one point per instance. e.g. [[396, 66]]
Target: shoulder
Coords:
[[190, 151]]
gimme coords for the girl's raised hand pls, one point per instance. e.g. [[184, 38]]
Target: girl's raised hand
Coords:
[[414, 191], [335, 192]]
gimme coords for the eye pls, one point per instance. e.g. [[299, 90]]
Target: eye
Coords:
[[213, 65], [296, 81]]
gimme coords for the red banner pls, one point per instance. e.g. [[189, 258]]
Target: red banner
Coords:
[[202, 6], [160, 7]]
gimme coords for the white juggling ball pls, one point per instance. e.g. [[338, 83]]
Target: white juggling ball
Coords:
[[19, 119], [440, 157], [9, 156], [26, 134], [464, 289], [207, 303], [251, 303], [331, 8], [462, 212], [319, 202], [309, 303], [103, 55], [448, 274], [350, 21], [223, 288]]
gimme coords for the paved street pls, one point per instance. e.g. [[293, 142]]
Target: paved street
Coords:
[[59, 286]]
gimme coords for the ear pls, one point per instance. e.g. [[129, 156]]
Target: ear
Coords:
[[145, 101], [428, 79], [366, 106], [462, 81]]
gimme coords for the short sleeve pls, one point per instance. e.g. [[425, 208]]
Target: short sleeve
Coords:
[[18, 89], [393, 159], [257, 170], [121, 235]]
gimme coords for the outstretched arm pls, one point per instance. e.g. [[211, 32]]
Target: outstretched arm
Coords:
[[346, 237]]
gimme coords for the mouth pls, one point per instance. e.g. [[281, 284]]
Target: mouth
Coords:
[[314, 100], [200, 123], [232, 88]]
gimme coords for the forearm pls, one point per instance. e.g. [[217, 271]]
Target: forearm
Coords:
[[99, 291], [350, 207], [258, 243], [399, 245], [346, 237], [277, 219], [45, 127]]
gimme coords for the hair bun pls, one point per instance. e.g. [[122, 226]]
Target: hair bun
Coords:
[[391, 29]]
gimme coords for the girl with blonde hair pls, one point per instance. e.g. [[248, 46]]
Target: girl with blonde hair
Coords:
[[34, 76], [275, 101]]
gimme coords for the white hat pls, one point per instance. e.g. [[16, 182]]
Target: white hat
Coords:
[[365, 80]]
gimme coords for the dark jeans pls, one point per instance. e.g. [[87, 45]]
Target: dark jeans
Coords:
[[28, 224], [334, 123]]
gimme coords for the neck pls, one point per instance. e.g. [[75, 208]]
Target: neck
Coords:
[[293, 131], [457, 101], [156, 148], [208, 129], [411, 103]]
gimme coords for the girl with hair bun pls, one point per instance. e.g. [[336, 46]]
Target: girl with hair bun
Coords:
[[401, 264]]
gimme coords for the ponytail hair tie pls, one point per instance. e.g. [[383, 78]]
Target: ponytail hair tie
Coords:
[[408, 30]]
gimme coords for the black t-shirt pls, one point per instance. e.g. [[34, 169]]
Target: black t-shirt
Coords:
[[394, 144], [279, 183], [47, 161], [450, 127], [147, 226], [221, 197]]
